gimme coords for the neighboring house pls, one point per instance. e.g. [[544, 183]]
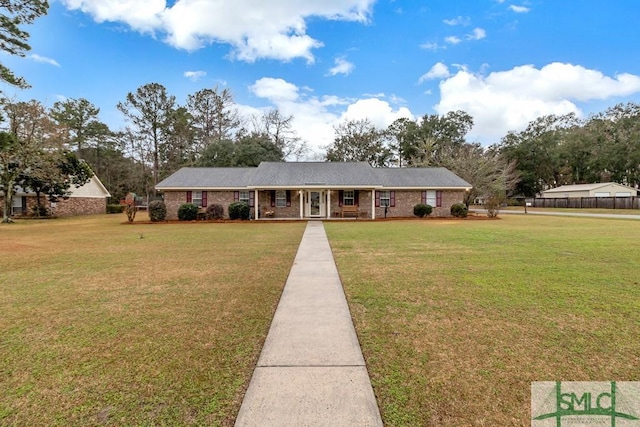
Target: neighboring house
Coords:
[[602, 189], [91, 198], [316, 189]]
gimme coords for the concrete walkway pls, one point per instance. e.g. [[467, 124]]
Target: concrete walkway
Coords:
[[311, 371]]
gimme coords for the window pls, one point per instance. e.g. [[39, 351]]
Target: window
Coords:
[[243, 196], [431, 198], [385, 198], [281, 199], [196, 198], [348, 198]]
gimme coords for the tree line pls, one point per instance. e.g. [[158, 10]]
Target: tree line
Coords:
[[162, 136]]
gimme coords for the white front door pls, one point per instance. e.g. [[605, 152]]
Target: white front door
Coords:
[[315, 203]]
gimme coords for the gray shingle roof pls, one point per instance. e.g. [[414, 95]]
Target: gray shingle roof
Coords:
[[208, 178], [419, 178], [303, 174], [314, 173]]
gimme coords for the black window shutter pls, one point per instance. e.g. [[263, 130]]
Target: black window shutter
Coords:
[[340, 197], [377, 199], [251, 199], [438, 198], [189, 199], [273, 198], [204, 199], [356, 197], [424, 198], [392, 196], [288, 198]]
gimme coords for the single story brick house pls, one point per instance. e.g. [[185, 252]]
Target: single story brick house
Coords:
[[89, 199], [301, 190], [598, 189]]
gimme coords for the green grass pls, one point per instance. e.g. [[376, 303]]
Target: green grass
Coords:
[[457, 318], [101, 327]]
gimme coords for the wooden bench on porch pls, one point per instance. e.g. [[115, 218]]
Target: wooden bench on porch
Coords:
[[350, 210]]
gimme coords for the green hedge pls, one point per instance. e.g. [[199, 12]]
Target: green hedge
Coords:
[[188, 212], [421, 210]]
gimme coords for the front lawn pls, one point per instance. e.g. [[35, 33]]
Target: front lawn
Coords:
[[457, 318], [110, 324]]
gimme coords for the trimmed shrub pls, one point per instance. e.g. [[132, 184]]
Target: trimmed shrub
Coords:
[[114, 209], [187, 212], [459, 210], [239, 210], [421, 210], [157, 210], [214, 212]]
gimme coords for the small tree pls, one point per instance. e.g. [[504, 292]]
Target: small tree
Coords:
[[239, 210], [187, 212], [421, 210], [492, 205], [157, 211]]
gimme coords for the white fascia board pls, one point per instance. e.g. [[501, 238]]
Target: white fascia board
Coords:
[[317, 187]]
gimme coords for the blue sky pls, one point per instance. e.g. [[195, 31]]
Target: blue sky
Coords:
[[324, 61]]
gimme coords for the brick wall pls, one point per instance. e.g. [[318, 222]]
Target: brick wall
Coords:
[[70, 207], [173, 200], [405, 201], [80, 206]]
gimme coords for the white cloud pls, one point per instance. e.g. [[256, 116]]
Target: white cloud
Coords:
[[342, 67], [509, 100], [379, 112], [315, 117], [460, 20], [438, 71], [432, 46], [276, 90], [452, 39], [254, 28], [477, 34], [519, 9], [43, 59], [194, 76]]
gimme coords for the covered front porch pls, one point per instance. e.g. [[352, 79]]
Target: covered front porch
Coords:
[[314, 202]]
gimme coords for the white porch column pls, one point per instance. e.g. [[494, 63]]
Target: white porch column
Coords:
[[301, 197], [256, 204], [373, 204], [328, 204]]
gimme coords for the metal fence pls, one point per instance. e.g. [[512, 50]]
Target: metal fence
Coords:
[[587, 202]]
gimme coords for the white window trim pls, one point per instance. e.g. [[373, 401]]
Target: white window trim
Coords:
[[385, 198], [196, 198], [244, 199], [348, 195], [281, 199], [432, 198]]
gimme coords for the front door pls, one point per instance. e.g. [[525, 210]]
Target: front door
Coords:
[[315, 205]]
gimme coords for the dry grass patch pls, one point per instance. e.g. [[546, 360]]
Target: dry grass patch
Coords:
[[457, 318], [102, 327]]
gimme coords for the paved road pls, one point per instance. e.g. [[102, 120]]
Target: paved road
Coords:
[[585, 215]]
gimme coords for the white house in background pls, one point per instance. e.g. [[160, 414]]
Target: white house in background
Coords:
[[89, 199], [602, 189]]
